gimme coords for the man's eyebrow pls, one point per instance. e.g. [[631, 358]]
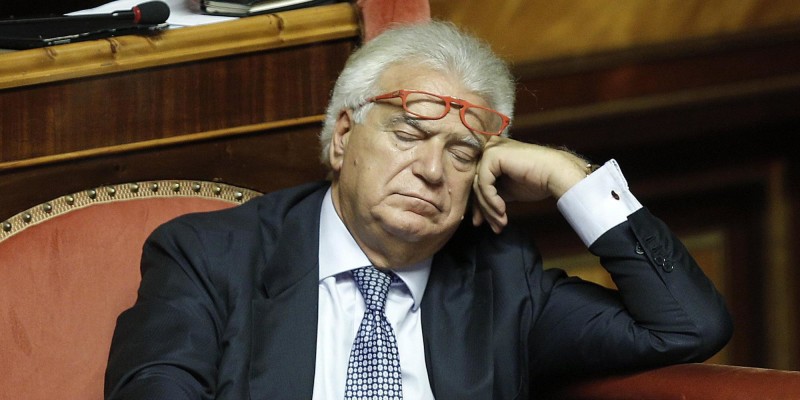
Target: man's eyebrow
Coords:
[[415, 123], [408, 120], [470, 140]]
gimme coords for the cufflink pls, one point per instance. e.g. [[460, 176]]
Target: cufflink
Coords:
[[589, 168]]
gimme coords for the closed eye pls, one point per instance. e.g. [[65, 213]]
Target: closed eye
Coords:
[[406, 129], [464, 154], [409, 135]]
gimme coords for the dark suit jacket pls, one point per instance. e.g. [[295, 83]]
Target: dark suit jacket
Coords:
[[227, 308]]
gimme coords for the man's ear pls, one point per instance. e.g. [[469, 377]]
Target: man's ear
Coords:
[[341, 134]]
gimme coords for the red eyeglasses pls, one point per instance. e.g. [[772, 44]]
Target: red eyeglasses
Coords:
[[425, 105]]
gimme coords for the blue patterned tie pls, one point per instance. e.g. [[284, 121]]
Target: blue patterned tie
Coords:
[[374, 368]]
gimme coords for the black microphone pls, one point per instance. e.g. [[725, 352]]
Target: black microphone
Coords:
[[151, 12]]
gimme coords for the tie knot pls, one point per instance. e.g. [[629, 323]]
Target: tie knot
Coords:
[[373, 285]]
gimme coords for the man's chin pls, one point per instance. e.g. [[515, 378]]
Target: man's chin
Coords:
[[412, 227]]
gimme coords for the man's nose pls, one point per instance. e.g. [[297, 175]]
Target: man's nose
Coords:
[[429, 163]]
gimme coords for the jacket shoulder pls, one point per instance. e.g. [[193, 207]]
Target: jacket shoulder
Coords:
[[269, 209]]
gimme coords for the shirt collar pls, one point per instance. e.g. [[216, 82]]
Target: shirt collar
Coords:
[[339, 252]]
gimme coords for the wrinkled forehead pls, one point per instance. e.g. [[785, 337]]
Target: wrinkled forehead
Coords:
[[431, 105], [409, 76]]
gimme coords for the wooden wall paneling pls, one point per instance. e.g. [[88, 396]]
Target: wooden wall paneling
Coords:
[[543, 29], [67, 116], [781, 311], [605, 101], [264, 161], [212, 102], [705, 133], [659, 69], [793, 192]]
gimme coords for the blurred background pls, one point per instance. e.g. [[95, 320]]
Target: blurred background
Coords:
[[699, 102]]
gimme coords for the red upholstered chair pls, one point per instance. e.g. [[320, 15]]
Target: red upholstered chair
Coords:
[[68, 268], [687, 382]]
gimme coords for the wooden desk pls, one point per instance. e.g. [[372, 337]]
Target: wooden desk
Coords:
[[238, 101]]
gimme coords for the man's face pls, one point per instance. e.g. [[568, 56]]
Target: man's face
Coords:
[[400, 180]]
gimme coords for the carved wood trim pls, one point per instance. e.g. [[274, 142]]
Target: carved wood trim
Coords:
[[157, 143]]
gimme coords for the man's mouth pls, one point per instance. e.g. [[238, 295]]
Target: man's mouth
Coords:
[[427, 201]]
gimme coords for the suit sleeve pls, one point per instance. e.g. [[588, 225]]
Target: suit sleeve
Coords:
[[666, 310], [166, 345]]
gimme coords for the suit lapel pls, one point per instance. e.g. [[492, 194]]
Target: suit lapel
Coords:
[[457, 326], [285, 318], [456, 316]]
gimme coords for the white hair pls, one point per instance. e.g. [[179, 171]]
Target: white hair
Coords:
[[437, 45]]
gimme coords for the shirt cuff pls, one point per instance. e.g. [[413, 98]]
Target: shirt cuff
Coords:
[[598, 203]]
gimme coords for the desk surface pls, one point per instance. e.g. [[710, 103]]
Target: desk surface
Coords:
[[125, 53]]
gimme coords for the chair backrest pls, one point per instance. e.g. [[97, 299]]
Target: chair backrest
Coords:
[[68, 268], [685, 382]]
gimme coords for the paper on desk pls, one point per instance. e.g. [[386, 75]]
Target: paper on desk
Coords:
[[181, 12]]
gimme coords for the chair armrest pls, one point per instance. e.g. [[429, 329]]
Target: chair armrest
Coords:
[[688, 382]]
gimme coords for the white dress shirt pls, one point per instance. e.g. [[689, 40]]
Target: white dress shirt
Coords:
[[593, 206], [341, 308], [598, 203]]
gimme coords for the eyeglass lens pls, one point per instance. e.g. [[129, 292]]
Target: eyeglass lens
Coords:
[[429, 106]]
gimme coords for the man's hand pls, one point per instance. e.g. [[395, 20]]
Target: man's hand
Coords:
[[514, 171]]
